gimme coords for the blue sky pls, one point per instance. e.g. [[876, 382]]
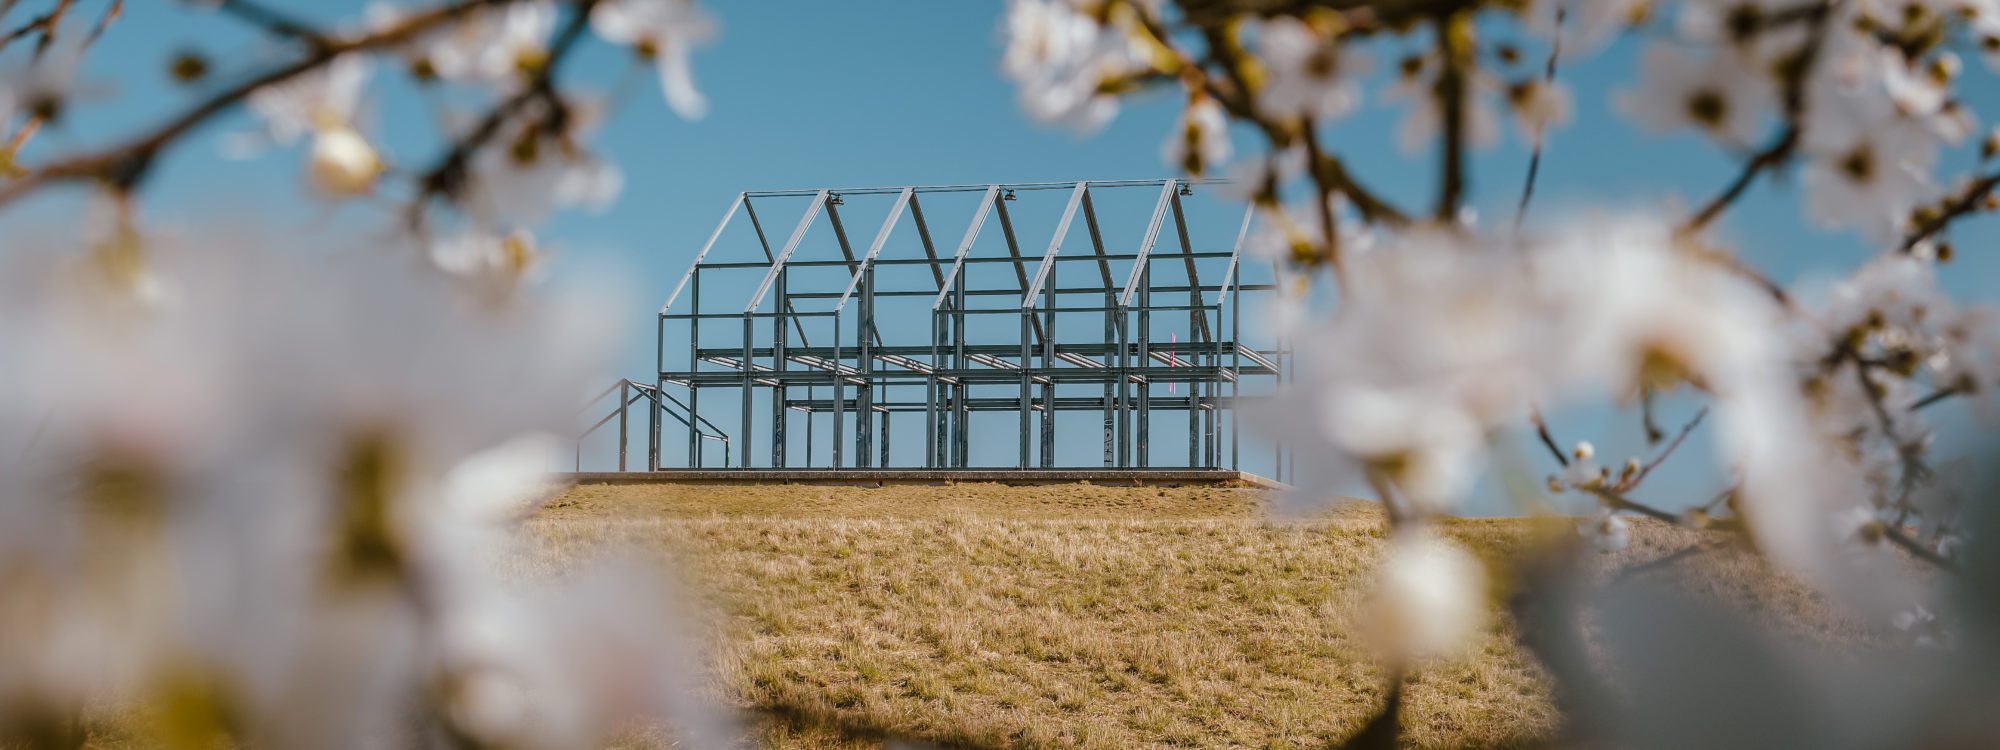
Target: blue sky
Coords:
[[811, 94]]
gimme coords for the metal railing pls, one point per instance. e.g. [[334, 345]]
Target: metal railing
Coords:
[[631, 392]]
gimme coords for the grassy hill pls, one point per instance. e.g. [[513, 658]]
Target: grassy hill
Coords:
[[1066, 616]]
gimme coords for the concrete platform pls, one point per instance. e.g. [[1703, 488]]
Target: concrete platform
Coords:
[[881, 477]]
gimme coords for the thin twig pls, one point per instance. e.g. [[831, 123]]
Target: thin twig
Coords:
[[1646, 422], [1917, 550], [447, 176], [1535, 155], [1635, 479], [1771, 156], [112, 12], [1781, 150], [1542, 431], [44, 28], [1326, 190], [1962, 204], [1939, 395], [1618, 501], [272, 20]]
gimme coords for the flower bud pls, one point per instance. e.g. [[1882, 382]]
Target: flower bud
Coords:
[[343, 164], [1584, 450]]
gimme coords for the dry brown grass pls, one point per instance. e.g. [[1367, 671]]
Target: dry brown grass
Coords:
[[1067, 616]]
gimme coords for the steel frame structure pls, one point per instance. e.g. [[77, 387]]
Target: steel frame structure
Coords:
[[859, 378]]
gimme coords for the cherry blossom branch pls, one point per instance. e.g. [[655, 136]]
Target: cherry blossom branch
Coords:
[[1326, 187], [1391, 508], [447, 177], [1535, 155], [44, 26], [1633, 481], [1616, 501], [272, 20], [1973, 198], [1329, 173], [1454, 39], [1786, 145], [1938, 395], [1736, 266], [112, 13], [1359, 13], [1917, 549], [1769, 157], [126, 165], [1542, 431]]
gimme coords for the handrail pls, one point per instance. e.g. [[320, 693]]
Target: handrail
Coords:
[[651, 393]]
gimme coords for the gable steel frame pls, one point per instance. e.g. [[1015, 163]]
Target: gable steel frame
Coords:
[[860, 376]]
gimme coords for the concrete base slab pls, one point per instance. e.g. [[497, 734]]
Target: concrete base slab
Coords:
[[881, 477]]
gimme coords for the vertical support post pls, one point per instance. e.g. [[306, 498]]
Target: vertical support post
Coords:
[[962, 412], [864, 394], [660, 386], [779, 389], [1027, 316], [1236, 368], [694, 370], [1145, 360], [1196, 324], [1049, 370], [749, 386], [1110, 334], [933, 435], [839, 388], [624, 400], [1124, 385]]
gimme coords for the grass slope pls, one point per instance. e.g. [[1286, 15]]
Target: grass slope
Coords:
[[1066, 616]]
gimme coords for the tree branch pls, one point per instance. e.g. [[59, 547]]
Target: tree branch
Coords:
[[1236, 99], [1542, 431], [44, 25], [1917, 550], [272, 20], [1454, 39], [1628, 484], [1960, 205], [1771, 156], [447, 177], [1787, 143], [1535, 155], [1618, 501], [126, 165]]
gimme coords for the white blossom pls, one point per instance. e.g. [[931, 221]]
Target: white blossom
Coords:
[[343, 163], [1431, 599], [1718, 94], [1539, 107], [1584, 25], [1419, 127], [665, 31], [327, 98], [498, 47], [324, 104], [1061, 60], [1199, 143], [294, 516], [1311, 75]]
